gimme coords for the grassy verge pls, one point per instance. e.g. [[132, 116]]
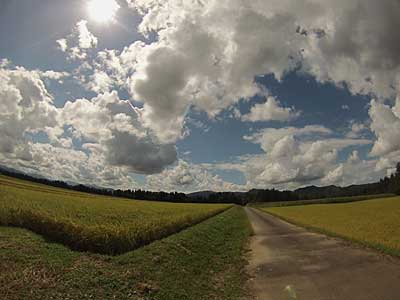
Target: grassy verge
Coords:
[[94, 223], [320, 201], [372, 223], [202, 262]]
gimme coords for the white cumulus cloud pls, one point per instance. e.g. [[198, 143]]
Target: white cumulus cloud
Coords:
[[271, 110], [79, 42]]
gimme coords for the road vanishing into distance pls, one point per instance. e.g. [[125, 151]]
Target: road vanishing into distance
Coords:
[[289, 262]]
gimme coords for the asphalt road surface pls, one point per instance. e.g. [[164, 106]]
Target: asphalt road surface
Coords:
[[289, 262]]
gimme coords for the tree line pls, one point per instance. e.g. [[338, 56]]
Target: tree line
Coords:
[[389, 184]]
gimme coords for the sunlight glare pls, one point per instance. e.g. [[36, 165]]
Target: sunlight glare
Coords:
[[102, 11]]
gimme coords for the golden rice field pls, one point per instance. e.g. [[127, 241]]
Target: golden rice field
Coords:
[[375, 223], [94, 223]]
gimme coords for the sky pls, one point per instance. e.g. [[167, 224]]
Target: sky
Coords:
[[224, 95]]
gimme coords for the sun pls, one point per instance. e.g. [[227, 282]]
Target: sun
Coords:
[[102, 11]]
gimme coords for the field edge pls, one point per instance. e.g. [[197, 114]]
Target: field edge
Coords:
[[95, 223], [40, 226], [368, 245], [206, 261]]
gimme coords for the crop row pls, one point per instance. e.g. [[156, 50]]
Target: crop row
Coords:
[[374, 223], [95, 223]]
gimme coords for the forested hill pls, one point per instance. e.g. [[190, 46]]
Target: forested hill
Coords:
[[386, 185]]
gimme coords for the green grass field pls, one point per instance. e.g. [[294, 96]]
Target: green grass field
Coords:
[[94, 223], [375, 223], [204, 261]]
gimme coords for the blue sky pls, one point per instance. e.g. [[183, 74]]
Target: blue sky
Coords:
[[173, 97]]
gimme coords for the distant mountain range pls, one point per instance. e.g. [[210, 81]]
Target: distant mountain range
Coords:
[[306, 192], [315, 192]]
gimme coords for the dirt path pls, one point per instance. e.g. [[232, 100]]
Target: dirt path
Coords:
[[287, 259]]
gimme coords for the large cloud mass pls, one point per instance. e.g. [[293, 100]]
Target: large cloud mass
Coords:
[[205, 56], [219, 47], [115, 125], [189, 177], [113, 141], [294, 155], [25, 108], [209, 52]]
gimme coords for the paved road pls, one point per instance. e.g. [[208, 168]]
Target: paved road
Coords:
[[316, 267]]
